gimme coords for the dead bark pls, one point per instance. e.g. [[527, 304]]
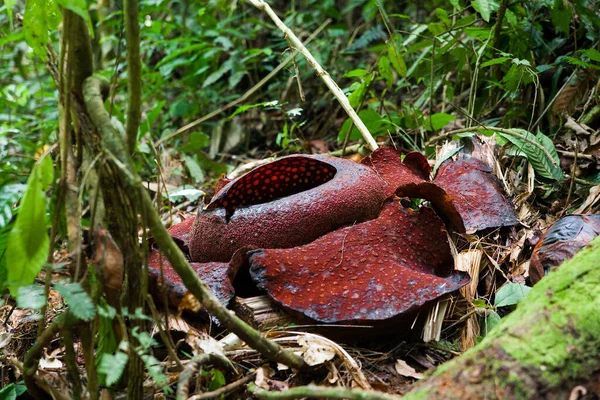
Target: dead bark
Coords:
[[548, 347]]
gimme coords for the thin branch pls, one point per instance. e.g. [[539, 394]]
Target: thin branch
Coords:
[[331, 84], [314, 391], [233, 386], [134, 72]]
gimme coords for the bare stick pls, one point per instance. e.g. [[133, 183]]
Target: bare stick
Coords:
[[333, 87], [216, 394]]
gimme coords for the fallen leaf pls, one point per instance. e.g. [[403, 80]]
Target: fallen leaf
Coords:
[[402, 368], [315, 352]]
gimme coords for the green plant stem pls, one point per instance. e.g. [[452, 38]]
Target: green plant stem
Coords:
[[135, 292], [134, 72], [591, 115], [87, 346], [223, 391], [113, 145], [492, 128], [497, 31], [314, 391]]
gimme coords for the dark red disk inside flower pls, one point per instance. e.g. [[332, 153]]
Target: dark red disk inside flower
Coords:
[[465, 192], [272, 181], [372, 271], [560, 243]]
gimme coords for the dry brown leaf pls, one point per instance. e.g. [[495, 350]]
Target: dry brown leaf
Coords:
[[189, 302], [315, 351], [402, 368], [108, 256], [592, 199]]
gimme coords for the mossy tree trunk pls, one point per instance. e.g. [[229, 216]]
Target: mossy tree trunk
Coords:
[[122, 213], [547, 347]]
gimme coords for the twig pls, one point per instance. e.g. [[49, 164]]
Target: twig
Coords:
[[348, 150], [314, 391], [493, 128], [333, 87], [246, 95], [225, 389], [188, 372], [572, 154], [162, 332]]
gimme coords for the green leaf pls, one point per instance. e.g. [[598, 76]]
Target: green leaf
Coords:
[[545, 167], [9, 4], [217, 380], [12, 391], [593, 54], [46, 172], [359, 93], [443, 16], [491, 320], [495, 61], [9, 195], [107, 340], [113, 366], [28, 243], [455, 4], [397, 61], [438, 121], [40, 17], [197, 141], [446, 156], [244, 108], [372, 120], [218, 74], [79, 302], [386, 71], [31, 297], [562, 14], [154, 369], [511, 294], [79, 7], [356, 73], [482, 7], [194, 168]]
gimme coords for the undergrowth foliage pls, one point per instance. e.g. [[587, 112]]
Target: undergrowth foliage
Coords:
[[411, 71]]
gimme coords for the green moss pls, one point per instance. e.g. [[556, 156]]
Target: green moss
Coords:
[[553, 334]]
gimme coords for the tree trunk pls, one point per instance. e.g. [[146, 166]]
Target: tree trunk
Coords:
[[546, 348]]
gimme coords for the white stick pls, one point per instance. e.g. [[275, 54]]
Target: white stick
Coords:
[[335, 89]]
